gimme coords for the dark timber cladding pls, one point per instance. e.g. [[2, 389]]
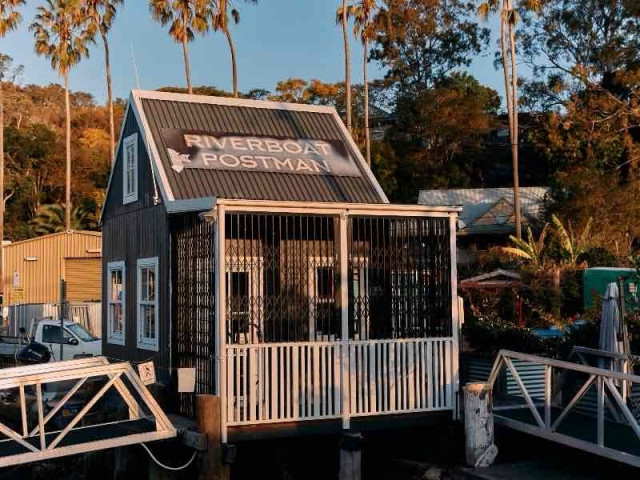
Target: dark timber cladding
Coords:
[[242, 120], [130, 232]]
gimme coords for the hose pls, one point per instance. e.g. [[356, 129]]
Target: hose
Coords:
[[167, 467]]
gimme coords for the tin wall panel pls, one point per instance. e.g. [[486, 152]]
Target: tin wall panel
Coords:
[[39, 263]]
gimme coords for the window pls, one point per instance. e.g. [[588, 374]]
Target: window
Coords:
[[81, 332], [116, 303], [323, 324], [130, 169], [148, 304], [51, 334]]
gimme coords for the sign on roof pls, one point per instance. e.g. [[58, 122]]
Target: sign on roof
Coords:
[[201, 150]]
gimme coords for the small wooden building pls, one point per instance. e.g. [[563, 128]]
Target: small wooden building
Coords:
[[33, 268], [250, 240]]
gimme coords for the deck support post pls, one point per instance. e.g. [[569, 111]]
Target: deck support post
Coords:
[[344, 315], [221, 322], [455, 317], [480, 451], [350, 457], [208, 420]]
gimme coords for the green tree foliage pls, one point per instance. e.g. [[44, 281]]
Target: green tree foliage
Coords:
[[420, 42], [440, 133], [50, 219], [35, 153], [585, 56]]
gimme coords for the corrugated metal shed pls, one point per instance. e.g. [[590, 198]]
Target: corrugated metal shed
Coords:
[[256, 119], [83, 276], [33, 268]]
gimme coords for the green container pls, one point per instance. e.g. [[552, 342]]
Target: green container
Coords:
[[597, 279]]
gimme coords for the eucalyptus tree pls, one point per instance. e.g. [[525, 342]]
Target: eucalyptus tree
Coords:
[[220, 12], [185, 18], [10, 18], [364, 27], [100, 14], [62, 34], [342, 18]]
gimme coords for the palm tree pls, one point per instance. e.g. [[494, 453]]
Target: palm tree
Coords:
[[531, 250], [219, 12], [362, 13], [51, 219], [508, 21], [342, 19], [9, 19], [572, 245], [62, 34], [100, 14], [185, 17]]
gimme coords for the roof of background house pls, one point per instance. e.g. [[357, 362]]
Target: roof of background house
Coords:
[[487, 210], [166, 117], [85, 233]]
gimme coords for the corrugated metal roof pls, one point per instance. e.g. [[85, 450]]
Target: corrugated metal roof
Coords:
[[247, 118], [476, 202]]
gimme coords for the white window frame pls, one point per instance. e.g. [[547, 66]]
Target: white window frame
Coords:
[[146, 343], [113, 337], [129, 197]]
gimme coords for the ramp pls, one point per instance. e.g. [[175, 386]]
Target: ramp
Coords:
[[65, 408], [612, 431]]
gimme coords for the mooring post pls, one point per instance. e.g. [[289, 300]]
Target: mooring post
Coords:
[[208, 421], [480, 451], [350, 456]]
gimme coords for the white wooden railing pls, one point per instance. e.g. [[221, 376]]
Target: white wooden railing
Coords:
[[283, 382], [399, 376], [279, 382]]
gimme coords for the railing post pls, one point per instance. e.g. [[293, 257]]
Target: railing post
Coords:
[[344, 310], [601, 393], [547, 396], [455, 317], [221, 324]]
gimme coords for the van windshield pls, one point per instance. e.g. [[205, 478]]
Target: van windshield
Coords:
[[81, 332]]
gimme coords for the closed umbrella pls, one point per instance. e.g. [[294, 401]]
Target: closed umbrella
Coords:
[[611, 324]]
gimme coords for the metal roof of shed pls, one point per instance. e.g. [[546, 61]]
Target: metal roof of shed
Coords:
[[215, 115]]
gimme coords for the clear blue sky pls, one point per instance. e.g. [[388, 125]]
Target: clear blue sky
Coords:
[[275, 40]]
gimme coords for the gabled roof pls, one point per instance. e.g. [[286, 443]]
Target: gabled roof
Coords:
[[497, 279], [329, 167], [83, 233], [487, 210]]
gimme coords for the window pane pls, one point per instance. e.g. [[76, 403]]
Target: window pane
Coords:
[[116, 316], [324, 282], [147, 284], [148, 321], [151, 286], [116, 285], [144, 280], [51, 334]]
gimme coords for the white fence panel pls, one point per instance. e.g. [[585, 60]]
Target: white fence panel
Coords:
[[399, 376], [283, 382]]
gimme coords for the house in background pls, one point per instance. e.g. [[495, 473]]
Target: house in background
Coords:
[[487, 218], [33, 269], [249, 240]]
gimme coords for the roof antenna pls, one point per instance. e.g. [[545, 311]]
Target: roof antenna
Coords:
[[135, 67]]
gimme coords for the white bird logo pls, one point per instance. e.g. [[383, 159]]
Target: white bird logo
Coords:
[[178, 160]]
